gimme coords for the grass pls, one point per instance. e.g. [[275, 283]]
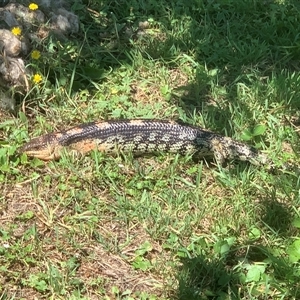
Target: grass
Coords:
[[163, 227]]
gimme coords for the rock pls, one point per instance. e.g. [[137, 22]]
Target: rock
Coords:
[[28, 17], [3, 3], [7, 102], [12, 70], [52, 17], [9, 43], [9, 19], [50, 4], [65, 21]]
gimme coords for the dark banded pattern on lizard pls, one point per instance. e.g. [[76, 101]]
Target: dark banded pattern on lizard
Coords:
[[142, 136]]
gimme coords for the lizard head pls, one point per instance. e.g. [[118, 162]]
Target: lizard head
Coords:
[[45, 147]]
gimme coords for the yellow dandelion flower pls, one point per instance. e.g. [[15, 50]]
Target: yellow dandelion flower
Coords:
[[33, 6], [16, 31], [37, 78], [35, 54]]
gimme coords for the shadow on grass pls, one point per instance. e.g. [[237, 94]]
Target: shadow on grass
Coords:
[[238, 275], [277, 216], [229, 43], [201, 278], [241, 44]]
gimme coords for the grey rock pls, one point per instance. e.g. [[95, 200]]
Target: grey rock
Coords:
[[9, 43]]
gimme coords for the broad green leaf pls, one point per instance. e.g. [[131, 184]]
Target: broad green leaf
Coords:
[[246, 135], [147, 246], [231, 240], [259, 130], [255, 233], [144, 248], [141, 263], [296, 223], [294, 251], [222, 247], [254, 273]]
